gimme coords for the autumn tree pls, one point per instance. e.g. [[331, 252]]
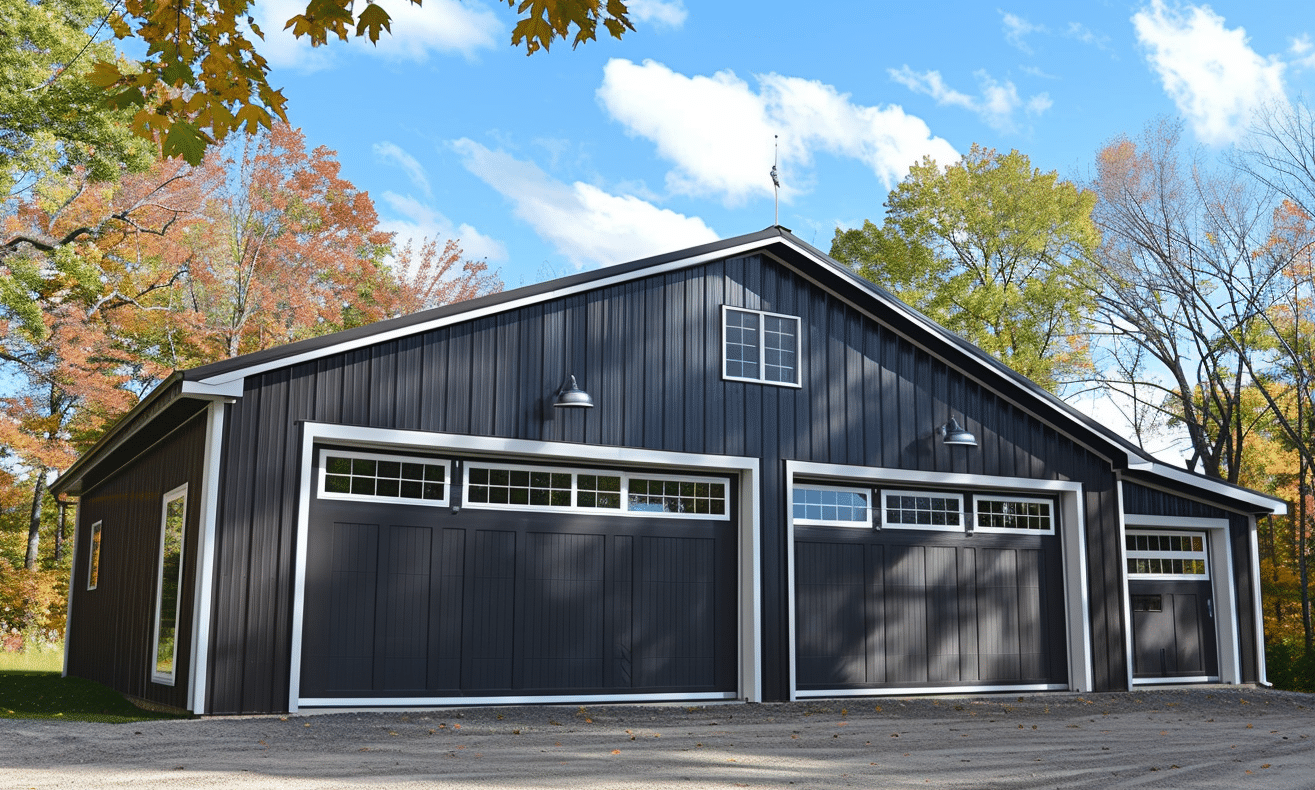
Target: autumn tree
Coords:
[[203, 78], [51, 117], [992, 249], [80, 267]]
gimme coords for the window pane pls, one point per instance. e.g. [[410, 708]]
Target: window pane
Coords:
[[170, 580], [93, 576]]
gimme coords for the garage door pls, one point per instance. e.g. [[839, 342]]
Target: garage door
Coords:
[[906, 595], [544, 582]]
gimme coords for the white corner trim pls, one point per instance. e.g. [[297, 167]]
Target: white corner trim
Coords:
[[72, 576], [226, 389], [749, 588], [1262, 673], [202, 601], [1123, 574], [1222, 589], [1077, 616]]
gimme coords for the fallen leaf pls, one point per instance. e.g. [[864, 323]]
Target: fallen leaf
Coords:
[[616, 751]]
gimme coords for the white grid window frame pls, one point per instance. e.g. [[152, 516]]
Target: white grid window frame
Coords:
[[1200, 556], [1049, 514], [767, 356], [323, 475], [883, 501], [576, 472], [93, 562], [808, 505]]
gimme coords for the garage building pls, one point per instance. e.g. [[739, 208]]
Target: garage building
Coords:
[[735, 471]]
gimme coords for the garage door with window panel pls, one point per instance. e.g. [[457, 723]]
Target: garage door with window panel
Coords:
[[1172, 602], [909, 589], [545, 580]]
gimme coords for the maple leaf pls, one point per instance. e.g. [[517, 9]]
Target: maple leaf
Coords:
[[371, 20]]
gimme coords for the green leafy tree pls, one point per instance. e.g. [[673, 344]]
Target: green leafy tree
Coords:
[[994, 250], [202, 77], [50, 115]]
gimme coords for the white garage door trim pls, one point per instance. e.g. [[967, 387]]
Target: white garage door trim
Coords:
[[1073, 547], [748, 544]]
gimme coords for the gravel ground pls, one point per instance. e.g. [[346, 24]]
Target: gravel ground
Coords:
[[1200, 738]]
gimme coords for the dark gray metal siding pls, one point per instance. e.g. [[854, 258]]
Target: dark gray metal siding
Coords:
[[649, 352], [1148, 501], [112, 628]]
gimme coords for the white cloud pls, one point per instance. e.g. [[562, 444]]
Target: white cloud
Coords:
[[996, 105], [444, 26], [718, 131], [1084, 34], [1211, 72], [1017, 29], [659, 13], [586, 224], [391, 152], [420, 221], [1303, 52]]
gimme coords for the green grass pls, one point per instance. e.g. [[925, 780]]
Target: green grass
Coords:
[[32, 661], [46, 695]]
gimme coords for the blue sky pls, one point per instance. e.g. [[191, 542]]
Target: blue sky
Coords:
[[618, 149]]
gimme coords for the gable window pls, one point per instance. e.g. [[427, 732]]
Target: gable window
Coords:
[[93, 568], [169, 583], [759, 346]]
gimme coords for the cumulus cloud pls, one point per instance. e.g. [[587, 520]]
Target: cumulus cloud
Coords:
[[1017, 29], [718, 130], [416, 221], [996, 104], [450, 27], [1209, 70], [669, 14], [393, 153], [587, 225]]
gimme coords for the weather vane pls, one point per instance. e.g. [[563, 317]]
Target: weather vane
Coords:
[[776, 181]]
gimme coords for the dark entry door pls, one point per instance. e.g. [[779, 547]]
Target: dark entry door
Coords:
[[1173, 629], [1173, 625]]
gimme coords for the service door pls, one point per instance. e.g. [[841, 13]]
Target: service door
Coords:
[[505, 597], [908, 597], [1173, 626]]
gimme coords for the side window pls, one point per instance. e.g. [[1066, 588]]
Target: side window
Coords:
[[93, 567], [169, 583], [759, 346]]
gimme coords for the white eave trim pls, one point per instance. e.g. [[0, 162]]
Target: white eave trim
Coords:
[[1277, 507], [231, 388]]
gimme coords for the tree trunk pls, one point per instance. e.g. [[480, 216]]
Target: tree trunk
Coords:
[[34, 525], [59, 533]]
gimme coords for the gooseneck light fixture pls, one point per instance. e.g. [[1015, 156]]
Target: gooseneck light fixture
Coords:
[[571, 396], [952, 433]]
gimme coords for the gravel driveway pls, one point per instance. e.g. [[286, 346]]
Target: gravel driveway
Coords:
[[1200, 738]]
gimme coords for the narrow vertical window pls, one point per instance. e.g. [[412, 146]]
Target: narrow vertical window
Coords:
[[173, 519], [758, 346], [93, 567]]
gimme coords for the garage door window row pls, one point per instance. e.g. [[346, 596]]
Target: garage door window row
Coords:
[[623, 493], [814, 505], [376, 477], [1166, 555]]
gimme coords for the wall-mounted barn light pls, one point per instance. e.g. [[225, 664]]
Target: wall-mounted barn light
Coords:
[[572, 397], [952, 433]]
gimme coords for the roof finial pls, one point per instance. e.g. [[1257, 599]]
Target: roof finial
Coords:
[[776, 181]]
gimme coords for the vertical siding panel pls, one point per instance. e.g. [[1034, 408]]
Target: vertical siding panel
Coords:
[[656, 327], [536, 388], [937, 399], [714, 389], [596, 365], [506, 392], [356, 387], [411, 371], [674, 362], [697, 320], [383, 384], [635, 365], [434, 382], [484, 380], [459, 369]]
